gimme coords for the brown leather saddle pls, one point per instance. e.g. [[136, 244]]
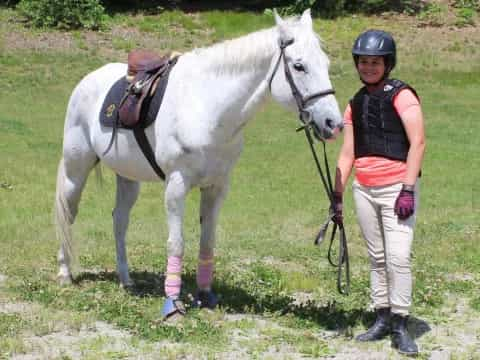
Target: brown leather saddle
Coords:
[[144, 69], [144, 84]]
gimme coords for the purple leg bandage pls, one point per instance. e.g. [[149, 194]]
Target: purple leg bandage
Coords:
[[205, 271]]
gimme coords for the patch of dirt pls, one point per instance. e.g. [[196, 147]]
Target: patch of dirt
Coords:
[[457, 335], [13, 308], [74, 344], [112, 44], [44, 41]]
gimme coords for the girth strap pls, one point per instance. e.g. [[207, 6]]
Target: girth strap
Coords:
[[150, 104], [147, 150]]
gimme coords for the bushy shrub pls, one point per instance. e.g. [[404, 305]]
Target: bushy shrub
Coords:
[[467, 4], [465, 16], [332, 8], [326, 8], [434, 14], [8, 2], [66, 14], [465, 11]]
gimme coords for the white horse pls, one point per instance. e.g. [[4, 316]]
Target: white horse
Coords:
[[197, 137]]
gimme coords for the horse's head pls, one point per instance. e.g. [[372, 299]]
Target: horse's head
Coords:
[[299, 76]]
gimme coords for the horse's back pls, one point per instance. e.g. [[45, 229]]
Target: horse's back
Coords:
[[100, 80], [90, 91], [84, 106]]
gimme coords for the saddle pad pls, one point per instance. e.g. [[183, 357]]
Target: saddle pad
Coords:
[[109, 111]]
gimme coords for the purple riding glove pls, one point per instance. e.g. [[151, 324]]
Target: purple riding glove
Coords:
[[405, 203], [337, 207]]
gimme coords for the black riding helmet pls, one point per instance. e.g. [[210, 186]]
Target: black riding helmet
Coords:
[[376, 43]]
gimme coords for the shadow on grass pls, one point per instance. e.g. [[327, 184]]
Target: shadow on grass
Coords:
[[417, 327], [235, 299], [145, 283]]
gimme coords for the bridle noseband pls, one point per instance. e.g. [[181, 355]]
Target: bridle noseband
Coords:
[[300, 99], [343, 264]]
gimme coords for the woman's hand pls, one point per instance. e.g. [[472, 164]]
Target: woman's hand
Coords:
[[337, 208], [405, 203]]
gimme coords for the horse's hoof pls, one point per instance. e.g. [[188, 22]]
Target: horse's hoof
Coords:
[[173, 310], [64, 280], [205, 299], [127, 285], [173, 319], [129, 288]]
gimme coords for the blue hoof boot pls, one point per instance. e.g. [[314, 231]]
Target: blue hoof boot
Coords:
[[205, 299], [172, 307]]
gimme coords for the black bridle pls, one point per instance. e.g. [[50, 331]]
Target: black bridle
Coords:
[[307, 122], [300, 99]]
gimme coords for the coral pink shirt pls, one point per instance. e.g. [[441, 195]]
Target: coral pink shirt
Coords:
[[376, 170]]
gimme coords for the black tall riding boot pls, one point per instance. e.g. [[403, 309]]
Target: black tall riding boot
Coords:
[[401, 340], [380, 329]]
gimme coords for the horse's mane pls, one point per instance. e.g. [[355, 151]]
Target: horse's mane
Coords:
[[245, 52], [242, 53]]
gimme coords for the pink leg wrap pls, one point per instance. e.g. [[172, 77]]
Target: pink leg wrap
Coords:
[[173, 278], [205, 271]]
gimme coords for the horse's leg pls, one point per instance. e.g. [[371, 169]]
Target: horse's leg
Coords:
[[72, 174], [127, 194], [176, 190], [211, 201]]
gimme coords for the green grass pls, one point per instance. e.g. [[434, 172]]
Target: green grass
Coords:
[[265, 254]]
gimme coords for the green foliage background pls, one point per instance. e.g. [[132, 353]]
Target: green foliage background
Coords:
[[67, 14], [92, 14]]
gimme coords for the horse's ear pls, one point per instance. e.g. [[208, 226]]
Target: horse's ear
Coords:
[[306, 18], [278, 20], [282, 27]]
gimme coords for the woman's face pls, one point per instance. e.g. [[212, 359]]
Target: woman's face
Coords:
[[371, 68]]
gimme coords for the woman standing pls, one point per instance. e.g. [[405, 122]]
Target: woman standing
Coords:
[[384, 141]]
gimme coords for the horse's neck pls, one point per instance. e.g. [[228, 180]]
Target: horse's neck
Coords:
[[249, 53], [246, 61], [230, 80]]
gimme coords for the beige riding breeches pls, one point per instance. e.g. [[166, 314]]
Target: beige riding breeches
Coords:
[[389, 243]]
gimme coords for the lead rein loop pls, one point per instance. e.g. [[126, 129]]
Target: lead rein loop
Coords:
[[343, 263]]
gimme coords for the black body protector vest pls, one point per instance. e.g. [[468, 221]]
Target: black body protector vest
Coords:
[[378, 129]]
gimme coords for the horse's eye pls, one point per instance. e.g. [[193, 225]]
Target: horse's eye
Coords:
[[299, 66]]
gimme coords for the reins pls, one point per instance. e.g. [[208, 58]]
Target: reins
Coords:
[[343, 264]]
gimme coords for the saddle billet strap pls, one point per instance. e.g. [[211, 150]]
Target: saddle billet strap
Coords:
[[116, 122], [112, 138]]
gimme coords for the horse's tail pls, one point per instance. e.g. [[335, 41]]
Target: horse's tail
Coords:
[[64, 219]]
